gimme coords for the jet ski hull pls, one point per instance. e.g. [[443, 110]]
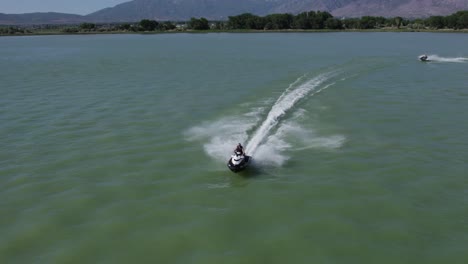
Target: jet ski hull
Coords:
[[423, 58], [241, 166]]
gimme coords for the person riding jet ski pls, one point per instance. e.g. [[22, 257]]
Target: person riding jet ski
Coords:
[[238, 160], [240, 149], [423, 57]]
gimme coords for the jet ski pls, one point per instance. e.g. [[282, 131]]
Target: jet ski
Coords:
[[238, 161], [423, 57]]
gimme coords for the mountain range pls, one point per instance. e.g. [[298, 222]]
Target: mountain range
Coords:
[[181, 10]]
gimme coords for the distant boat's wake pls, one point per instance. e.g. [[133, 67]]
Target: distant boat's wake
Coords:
[[436, 58], [269, 139]]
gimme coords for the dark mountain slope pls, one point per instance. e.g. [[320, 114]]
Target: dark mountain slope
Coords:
[[221, 9], [40, 18], [181, 9], [403, 8]]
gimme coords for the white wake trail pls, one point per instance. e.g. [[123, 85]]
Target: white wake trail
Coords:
[[437, 58], [285, 102]]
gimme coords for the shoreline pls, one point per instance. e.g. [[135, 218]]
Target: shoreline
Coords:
[[59, 33]]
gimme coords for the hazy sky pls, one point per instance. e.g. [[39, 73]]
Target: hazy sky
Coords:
[[81, 7]]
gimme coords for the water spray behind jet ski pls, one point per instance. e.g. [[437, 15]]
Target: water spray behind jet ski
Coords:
[[296, 91]]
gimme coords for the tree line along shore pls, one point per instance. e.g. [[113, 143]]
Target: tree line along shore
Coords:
[[305, 21]]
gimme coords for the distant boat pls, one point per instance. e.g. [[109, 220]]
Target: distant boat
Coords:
[[423, 57]]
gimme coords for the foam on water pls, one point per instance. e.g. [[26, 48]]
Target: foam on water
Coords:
[[437, 58], [286, 101], [275, 135], [290, 137], [224, 134]]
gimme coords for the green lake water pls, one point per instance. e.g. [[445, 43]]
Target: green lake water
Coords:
[[114, 148]]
